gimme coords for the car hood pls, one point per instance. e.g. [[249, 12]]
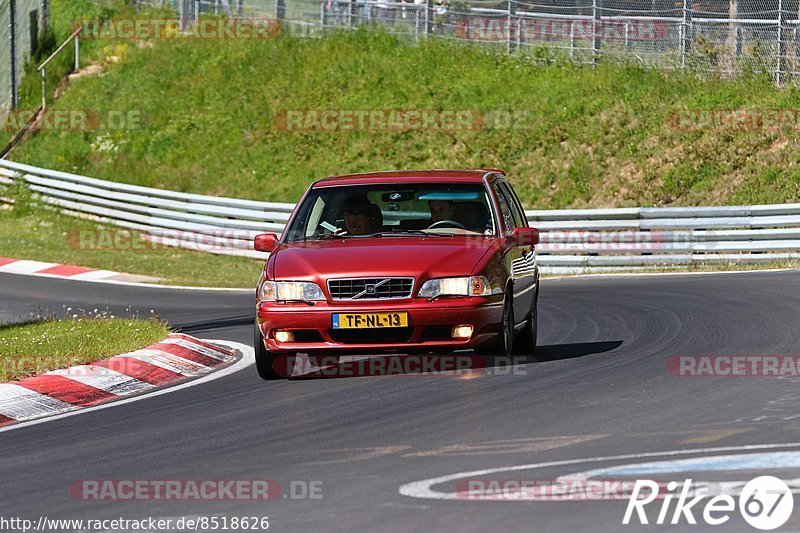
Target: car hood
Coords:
[[420, 257]]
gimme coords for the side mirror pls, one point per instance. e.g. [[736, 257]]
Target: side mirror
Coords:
[[525, 236], [266, 242]]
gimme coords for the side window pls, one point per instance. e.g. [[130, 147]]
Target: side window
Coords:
[[505, 210], [519, 215]]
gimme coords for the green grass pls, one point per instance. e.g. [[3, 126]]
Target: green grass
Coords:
[[32, 232], [590, 137], [50, 344]]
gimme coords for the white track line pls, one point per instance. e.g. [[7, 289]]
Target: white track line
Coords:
[[422, 489], [248, 359]]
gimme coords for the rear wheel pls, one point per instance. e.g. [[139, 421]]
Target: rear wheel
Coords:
[[265, 360]]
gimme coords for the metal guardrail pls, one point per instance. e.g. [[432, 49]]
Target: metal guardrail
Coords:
[[572, 240]]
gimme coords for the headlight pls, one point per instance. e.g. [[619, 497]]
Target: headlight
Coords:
[[466, 286], [291, 290]]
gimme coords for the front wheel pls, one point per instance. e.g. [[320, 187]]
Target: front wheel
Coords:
[[525, 343], [504, 343], [265, 360]]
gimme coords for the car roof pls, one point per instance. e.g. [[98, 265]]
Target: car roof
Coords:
[[408, 176]]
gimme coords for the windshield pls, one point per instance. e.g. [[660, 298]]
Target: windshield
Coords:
[[374, 210]]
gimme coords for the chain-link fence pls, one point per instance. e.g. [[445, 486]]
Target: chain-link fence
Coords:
[[728, 37], [20, 23]]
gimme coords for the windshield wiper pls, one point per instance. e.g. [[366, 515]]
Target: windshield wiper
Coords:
[[325, 236], [411, 233]]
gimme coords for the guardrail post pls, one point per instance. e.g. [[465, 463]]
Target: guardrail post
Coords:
[[12, 35], [686, 26], [77, 52]]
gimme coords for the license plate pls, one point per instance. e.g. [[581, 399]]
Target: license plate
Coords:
[[369, 320]]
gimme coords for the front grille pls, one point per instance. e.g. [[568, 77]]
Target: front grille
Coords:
[[370, 288], [371, 336]]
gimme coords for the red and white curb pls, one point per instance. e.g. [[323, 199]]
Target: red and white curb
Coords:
[[177, 358], [56, 270]]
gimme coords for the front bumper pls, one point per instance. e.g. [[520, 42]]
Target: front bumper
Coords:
[[430, 325]]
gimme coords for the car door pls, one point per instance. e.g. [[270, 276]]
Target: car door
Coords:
[[519, 258]]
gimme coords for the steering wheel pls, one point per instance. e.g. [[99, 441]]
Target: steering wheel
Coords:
[[447, 223]]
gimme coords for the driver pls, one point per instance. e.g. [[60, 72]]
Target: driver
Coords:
[[441, 210], [358, 216]]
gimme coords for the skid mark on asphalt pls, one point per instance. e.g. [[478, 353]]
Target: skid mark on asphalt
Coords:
[[714, 436], [361, 454], [537, 444]]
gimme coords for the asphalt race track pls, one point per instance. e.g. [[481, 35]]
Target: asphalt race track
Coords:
[[599, 387]]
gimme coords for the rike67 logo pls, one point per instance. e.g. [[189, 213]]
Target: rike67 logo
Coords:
[[765, 503]]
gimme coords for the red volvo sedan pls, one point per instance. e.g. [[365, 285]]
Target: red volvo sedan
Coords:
[[400, 261]]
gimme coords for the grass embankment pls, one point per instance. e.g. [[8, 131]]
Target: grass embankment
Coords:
[[65, 15], [589, 137], [33, 348]]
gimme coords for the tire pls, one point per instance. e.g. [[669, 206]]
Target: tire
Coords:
[[525, 343], [504, 343], [265, 360]]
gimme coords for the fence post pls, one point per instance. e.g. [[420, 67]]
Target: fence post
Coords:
[[77, 52], [627, 38], [685, 32], [12, 27], [44, 88], [196, 11], [280, 10], [596, 7], [428, 17], [181, 16], [781, 51], [352, 6], [571, 40], [511, 9]]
